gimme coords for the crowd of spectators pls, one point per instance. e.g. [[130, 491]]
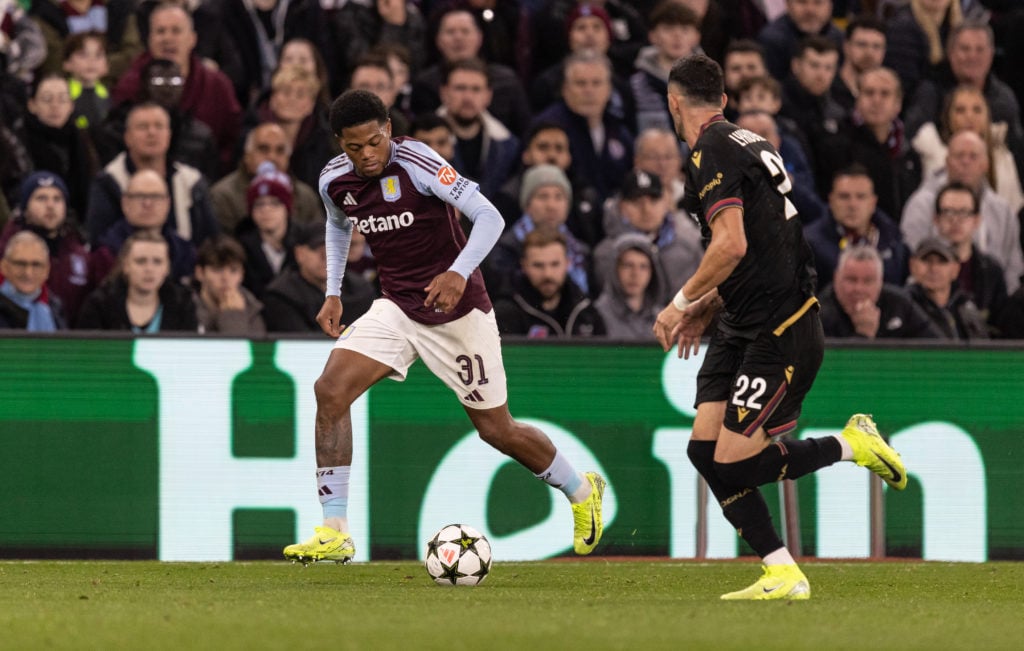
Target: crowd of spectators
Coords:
[[159, 159]]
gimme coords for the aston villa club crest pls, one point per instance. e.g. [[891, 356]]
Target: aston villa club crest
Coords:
[[390, 188]]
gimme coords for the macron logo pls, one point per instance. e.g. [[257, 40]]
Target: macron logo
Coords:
[[349, 200]]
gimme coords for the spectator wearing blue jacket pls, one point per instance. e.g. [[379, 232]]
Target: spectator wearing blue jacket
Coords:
[[803, 18], [853, 219], [601, 143]]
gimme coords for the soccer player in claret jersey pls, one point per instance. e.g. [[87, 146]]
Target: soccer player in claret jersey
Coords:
[[402, 196], [762, 359]]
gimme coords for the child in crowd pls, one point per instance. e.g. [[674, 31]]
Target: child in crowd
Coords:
[[266, 234], [223, 306], [85, 62]]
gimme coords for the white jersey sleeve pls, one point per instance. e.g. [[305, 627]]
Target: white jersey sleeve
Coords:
[[338, 235], [432, 175]]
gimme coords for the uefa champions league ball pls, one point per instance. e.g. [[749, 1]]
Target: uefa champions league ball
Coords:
[[458, 555]]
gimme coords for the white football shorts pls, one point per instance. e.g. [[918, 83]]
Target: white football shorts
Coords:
[[465, 354]]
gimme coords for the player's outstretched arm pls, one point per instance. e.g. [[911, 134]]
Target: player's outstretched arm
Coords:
[[445, 291], [329, 316]]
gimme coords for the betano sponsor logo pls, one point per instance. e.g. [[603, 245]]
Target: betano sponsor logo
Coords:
[[383, 223]]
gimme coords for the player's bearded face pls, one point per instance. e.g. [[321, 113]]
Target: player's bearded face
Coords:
[[368, 145]]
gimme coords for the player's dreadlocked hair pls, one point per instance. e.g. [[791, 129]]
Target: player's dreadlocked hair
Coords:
[[356, 107], [699, 78]]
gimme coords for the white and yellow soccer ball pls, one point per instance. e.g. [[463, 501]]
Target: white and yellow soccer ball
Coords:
[[458, 555]]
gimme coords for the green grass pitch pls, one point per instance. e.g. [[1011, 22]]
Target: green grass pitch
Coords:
[[554, 605]]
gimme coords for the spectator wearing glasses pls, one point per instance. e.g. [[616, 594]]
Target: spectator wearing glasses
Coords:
[[144, 204], [957, 219], [998, 234], [207, 94], [147, 141], [192, 141], [25, 301], [43, 210]]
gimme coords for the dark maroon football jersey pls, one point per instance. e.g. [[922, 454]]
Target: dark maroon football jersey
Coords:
[[407, 217]]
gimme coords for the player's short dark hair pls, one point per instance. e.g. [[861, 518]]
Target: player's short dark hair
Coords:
[[220, 251], [867, 22], [957, 186], [536, 239], [819, 44], [356, 107], [699, 78]]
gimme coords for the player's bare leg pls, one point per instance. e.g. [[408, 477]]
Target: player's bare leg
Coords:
[[346, 376], [524, 443], [534, 450]]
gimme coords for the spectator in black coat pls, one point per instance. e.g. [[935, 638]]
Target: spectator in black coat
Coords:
[[853, 219], [545, 302], [859, 305], [53, 141], [141, 296], [292, 301], [782, 36]]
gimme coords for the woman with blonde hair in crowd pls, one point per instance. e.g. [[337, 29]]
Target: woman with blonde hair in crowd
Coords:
[[301, 53], [294, 105], [916, 38], [966, 108], [139, 295]]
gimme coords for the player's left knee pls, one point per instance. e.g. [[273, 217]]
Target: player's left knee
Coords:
[[740, 474]]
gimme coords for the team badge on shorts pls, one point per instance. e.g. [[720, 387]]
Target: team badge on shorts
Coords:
[[346, 333], [390, 188]]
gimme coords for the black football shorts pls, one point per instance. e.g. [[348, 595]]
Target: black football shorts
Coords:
[[763, 380]]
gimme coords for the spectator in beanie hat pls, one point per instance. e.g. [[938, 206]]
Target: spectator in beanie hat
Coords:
[[545, 197], [267, 234], [43, 210]]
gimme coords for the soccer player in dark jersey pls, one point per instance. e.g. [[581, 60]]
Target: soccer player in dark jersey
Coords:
[[758, 276], [402, 196]]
